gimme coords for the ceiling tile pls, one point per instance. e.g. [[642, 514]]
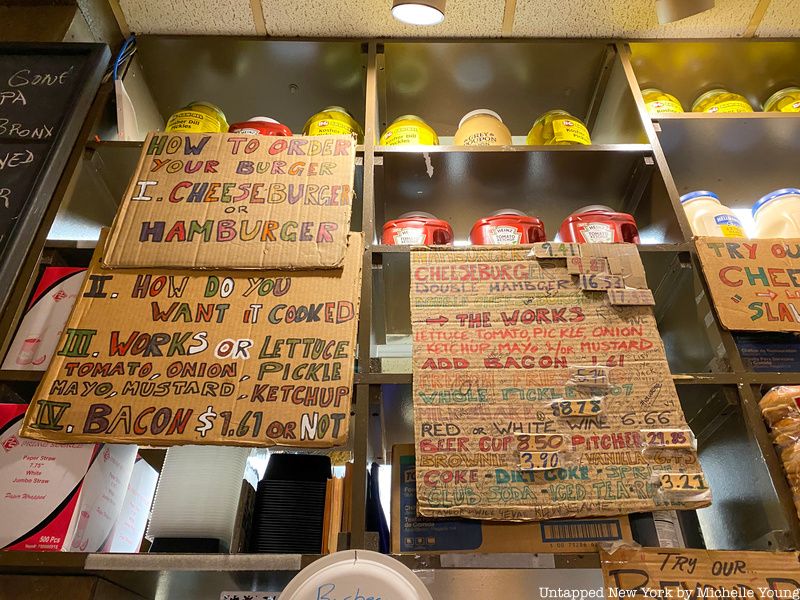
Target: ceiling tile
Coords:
[[626, 19], [373, 18], [189, 16], [782, 19]]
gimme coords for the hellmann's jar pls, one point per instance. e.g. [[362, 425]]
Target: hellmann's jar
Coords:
[[482, 127], [659, 102], [708, 217], [558, 128], [720, 100], [198, 117], [777, 215]]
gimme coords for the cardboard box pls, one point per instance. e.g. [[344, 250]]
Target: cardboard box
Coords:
[[233, 201], [43, 323], [683, 573], [128, 530], [413, 534], [205, 357], [58, 497], [754, 284], [541, 387]]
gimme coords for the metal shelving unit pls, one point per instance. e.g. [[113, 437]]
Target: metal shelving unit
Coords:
[[639, 164]]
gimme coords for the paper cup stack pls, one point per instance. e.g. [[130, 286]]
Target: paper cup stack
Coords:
[[198, 493]]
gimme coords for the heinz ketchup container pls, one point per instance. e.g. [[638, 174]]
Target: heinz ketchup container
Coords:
[[260, 126], [417, 229], [507, 226], [598, 224]]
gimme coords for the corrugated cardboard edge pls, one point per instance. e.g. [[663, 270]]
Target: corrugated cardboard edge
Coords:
[[51, 373], [112, 238], [113, 246]]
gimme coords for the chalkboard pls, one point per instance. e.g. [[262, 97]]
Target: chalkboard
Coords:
[[45, 93]]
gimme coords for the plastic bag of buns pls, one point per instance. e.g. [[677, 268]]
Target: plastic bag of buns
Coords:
[[780, 408]]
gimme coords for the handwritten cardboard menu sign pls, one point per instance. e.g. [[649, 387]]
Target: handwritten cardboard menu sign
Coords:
[[211, 357], [236, 202], [539, 394], [755, 284], [670, 574]]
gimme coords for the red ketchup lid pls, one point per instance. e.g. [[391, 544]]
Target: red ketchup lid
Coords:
[[260, 126], [598, 223], [507, 226], [417, 228]]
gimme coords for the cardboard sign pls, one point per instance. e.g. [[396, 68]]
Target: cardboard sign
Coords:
[[188, 357], [412, 534], [755, 284], [511, 356], [673, 574], [236, 201]]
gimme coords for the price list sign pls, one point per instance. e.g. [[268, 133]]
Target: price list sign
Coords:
[[541, 388], [187, 357]]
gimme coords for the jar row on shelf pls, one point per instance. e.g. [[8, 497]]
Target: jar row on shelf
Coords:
[[775, 215], [481, 127], [591, 224], [721, 100]]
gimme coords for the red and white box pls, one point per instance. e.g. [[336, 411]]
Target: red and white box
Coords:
[[58, 497], [45, 318]]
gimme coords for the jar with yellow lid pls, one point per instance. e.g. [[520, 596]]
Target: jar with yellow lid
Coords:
[[482, 127], [659, 102], [333, 120], [720, 100], [409, 130], [558, 128], [198, 117], [785, 100]]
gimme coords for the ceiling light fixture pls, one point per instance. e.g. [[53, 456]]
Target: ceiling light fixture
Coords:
[[675, 10], [419, 12]]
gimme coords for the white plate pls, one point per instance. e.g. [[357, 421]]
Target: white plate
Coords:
[[356, 573]]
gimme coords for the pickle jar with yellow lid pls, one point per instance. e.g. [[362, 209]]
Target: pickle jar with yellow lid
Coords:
[[785, 100], [198, 117], [659, 102], [482, 127], [409, 130], [720, 100], [558, 128], [333, 120]]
